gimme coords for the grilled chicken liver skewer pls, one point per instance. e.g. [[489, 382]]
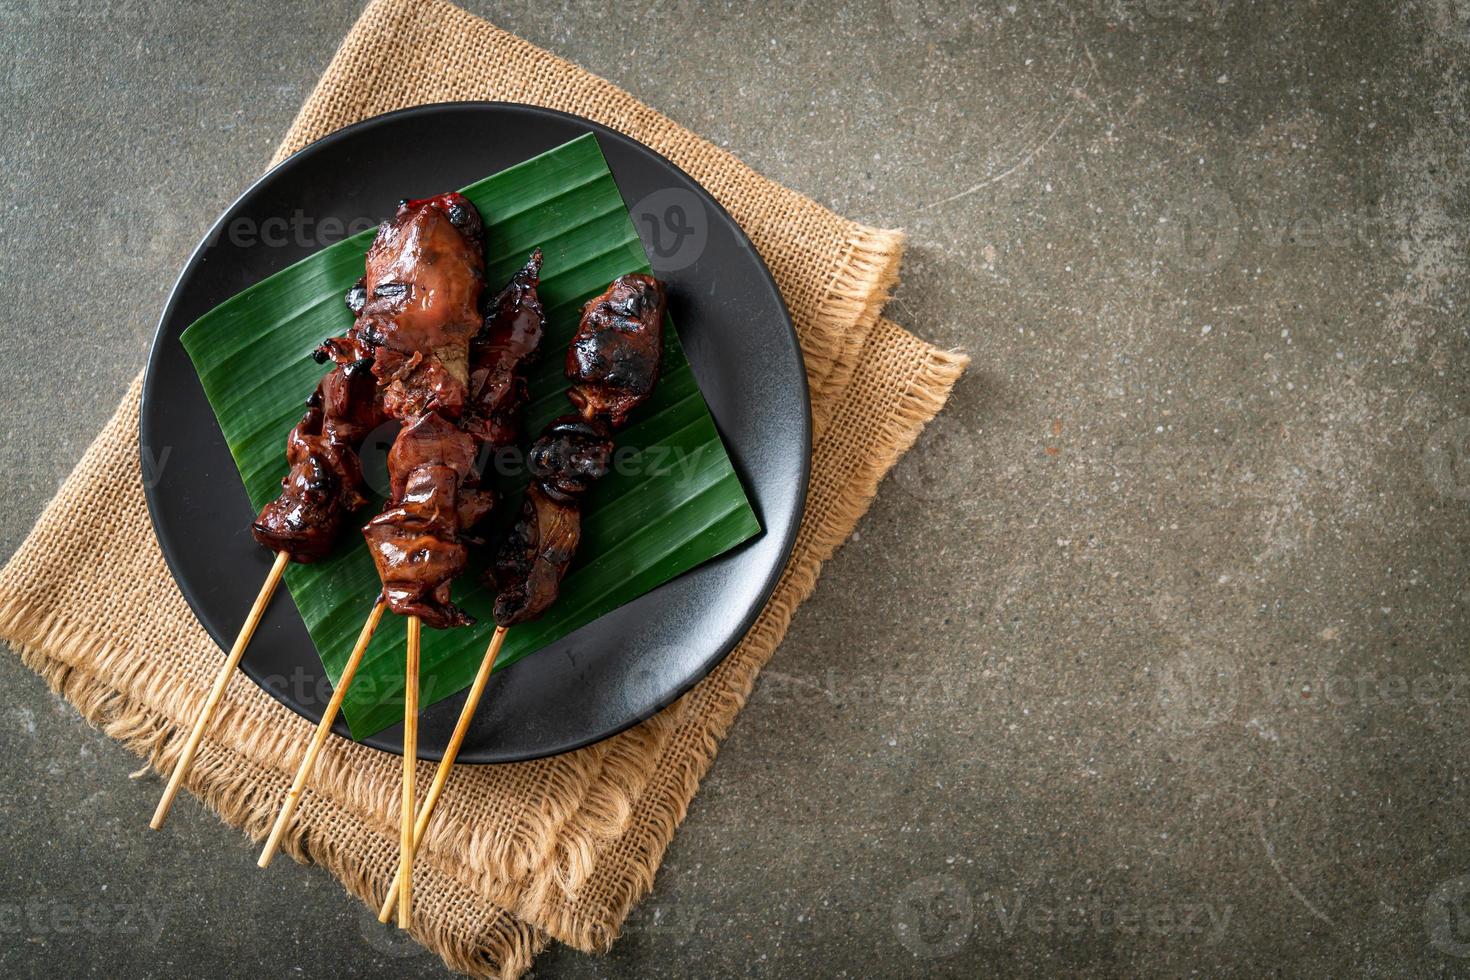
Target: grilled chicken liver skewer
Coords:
[[613, 363], [425, 275], [421, 307]]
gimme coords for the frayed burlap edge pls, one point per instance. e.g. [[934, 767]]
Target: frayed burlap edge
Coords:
[[245, 794], [857, 294]]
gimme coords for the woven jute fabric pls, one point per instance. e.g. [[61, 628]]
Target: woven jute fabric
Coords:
[[516, 855]]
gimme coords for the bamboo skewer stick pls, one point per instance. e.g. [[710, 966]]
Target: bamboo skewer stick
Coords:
[[217, 693], [410, 754], [451, 752], [323, 729]]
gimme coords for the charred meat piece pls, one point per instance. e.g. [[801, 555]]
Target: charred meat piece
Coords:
[[499, 353], [571, 455], [416, 547], [324, 482], [420, 303], [613, 360], [534, 556], [565, 462], [613, 363], [417, 543]]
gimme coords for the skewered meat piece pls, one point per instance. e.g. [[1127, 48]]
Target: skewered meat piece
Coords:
[[570, 456], [613, 363], [421, 295], [417, 543], [509, 340], [324, 482], [613, 360]]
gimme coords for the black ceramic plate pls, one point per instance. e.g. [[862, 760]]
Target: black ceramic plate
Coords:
[[615, 671]]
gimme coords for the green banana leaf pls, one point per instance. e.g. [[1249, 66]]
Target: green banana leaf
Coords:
[[671, 502]]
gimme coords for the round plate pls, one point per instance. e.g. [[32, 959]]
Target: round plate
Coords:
[[613, 672]]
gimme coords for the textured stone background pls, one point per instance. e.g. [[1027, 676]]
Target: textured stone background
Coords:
[[1150, 658]]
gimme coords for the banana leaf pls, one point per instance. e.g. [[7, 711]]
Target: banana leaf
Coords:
[[671, 502]]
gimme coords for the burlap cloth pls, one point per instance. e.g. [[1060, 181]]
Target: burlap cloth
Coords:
[[559, 848]]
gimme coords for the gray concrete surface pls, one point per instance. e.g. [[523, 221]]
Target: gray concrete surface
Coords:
[[1149, 660]]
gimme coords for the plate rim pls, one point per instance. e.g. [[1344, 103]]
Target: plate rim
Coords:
[[151, 489]]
